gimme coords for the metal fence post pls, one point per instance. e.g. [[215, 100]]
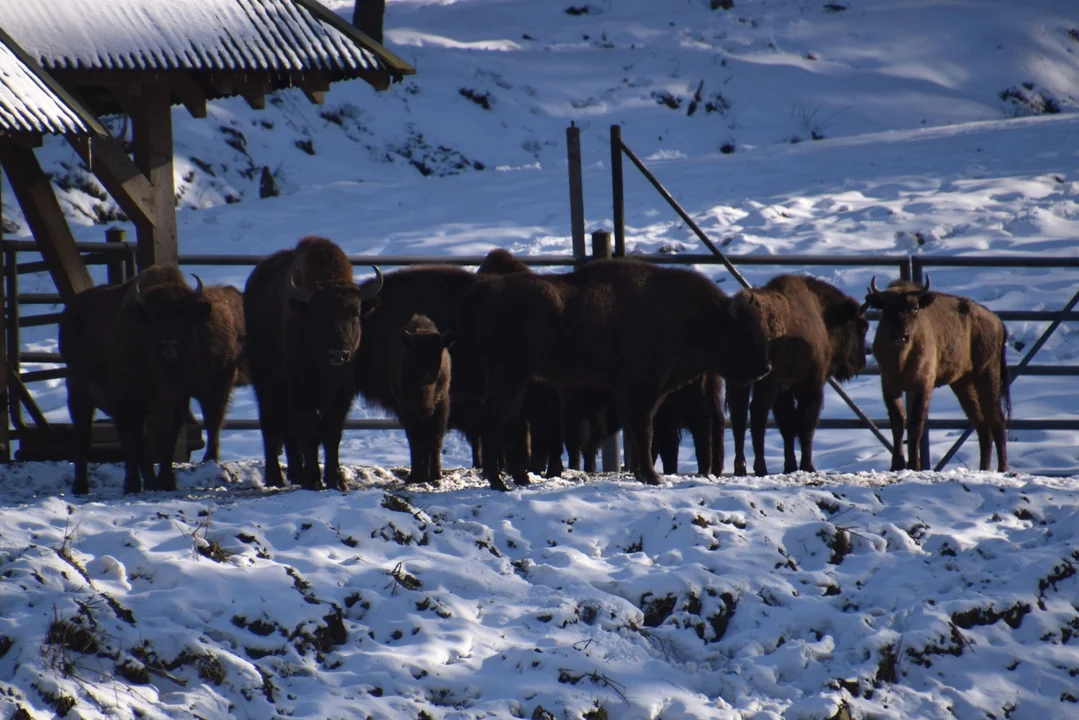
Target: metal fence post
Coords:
[[114, 267], [917, 277], [611, 448], [619, 205], [5, 399], [576, 191]]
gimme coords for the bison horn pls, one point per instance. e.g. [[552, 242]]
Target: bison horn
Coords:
[[873, 286], [198, 283], [138, 293], [925, 288], [295, 291], [368, 294]]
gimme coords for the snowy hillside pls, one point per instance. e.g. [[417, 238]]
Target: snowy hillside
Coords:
[[850, 128]]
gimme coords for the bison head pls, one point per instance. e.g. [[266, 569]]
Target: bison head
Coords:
[[745, 356], [847, 326], [169, 315], [330, 315], [899, 305], [423, 350]]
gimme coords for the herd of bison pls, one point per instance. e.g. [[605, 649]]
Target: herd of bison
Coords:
[[522, 363]]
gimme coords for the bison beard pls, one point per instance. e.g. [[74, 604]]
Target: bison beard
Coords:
[[302, 313], [817, 331], [132, 351], [928, 339], [629, 328]]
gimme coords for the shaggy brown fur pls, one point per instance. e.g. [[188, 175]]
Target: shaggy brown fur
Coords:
[[590, 418], [817, 331], [698, 407], [927, 339], [132, 350], [302, 313], [627, 327], [419, 361], [223, 361]]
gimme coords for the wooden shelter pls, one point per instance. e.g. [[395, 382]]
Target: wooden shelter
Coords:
[[64, 63]]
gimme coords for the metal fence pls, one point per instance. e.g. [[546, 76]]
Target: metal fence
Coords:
[[119, 258]]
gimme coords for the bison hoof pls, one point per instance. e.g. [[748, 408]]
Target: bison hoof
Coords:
[[415, 479], [81, 487], [740, 468], [522, 479], [649, 478], [898, 463], [497, 484], [132, 487], [760, 469], [808, 467]]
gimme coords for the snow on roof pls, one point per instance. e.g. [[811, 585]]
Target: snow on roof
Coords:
[[277, 35], [28, 104]]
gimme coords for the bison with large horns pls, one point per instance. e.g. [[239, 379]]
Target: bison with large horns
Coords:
[[132, 350], [628, 327], [927, 339], [817, 332], [303, 314]]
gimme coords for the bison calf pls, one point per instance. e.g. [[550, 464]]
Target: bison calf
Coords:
[[928, 339], [419, 363], [817, 332], [132, 350], [302, 311]]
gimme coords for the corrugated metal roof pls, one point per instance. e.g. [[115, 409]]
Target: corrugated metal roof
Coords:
[[252, 35], [27, 104]]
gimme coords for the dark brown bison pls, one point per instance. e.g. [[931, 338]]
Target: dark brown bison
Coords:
[[697, 406], [589, 418], [419, 361], [132, 350], [633, 329], [928, 339], [817, 332], [302, 311], [222, 360]]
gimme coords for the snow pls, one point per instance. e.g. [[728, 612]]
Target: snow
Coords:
[[786, 596], [180, 34], [29, 105]]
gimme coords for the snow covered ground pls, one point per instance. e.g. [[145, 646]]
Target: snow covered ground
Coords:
[[850, 128]]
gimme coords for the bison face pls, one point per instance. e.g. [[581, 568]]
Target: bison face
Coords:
[[847, 326], [899, 309], [745, 357], [423, 355], [169, 317], [330, 317]]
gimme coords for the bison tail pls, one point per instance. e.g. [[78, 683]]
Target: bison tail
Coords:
[[1005, 378]]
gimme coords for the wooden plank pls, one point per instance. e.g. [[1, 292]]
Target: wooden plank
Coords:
[[23, 395], [104, 155], [187, 90], [45, 218], [5, 399], [314, 86], [152, 127]]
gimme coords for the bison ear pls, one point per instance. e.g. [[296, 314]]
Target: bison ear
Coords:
[[449, 338], [299, 305], [873, 301], [927, 299], [200, 312]]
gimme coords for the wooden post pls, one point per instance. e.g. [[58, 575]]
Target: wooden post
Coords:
[[46, 220], [916, 271], [619, 206], [152, 131], [612, 446], [114, 267], [5, 399], [576, 190]]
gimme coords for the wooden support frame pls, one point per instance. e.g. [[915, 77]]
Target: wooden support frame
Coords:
[[158, 242], [254, 88], [187, 91], [34, 192], [106, 158]]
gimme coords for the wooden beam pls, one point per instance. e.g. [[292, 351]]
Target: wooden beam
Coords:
[[394, 64], [46, 220], [187, 90], [254, 89], [5, 396], [314, 86], [152, 126], [106, 158]]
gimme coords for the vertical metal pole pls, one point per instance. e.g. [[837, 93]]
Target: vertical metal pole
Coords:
[[576, 191], [611, 448], [115, 266], [917, 277], [619, 205], [905, 269]]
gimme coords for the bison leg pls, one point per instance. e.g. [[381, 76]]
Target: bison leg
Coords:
[[214, 405], [765, 395], [440, 422], [715, 390], [555, 433], [166, 436], [81, 409], [665, 440], [919, 411], [419, 451], [808, 413], [637, 415], [738, 405], [271, 414], [304, 432], [132, 441], [989, 396], [332, 426], [893, 402]]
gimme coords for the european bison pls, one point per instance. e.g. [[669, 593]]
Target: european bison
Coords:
[[222, 360], [817, 332], [589, 418], [698, 407], [303, 312], [132, 350], [419, 363], [928, 339], [633, 329]]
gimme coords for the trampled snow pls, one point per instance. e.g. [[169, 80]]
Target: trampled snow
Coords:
[[946, 129]]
